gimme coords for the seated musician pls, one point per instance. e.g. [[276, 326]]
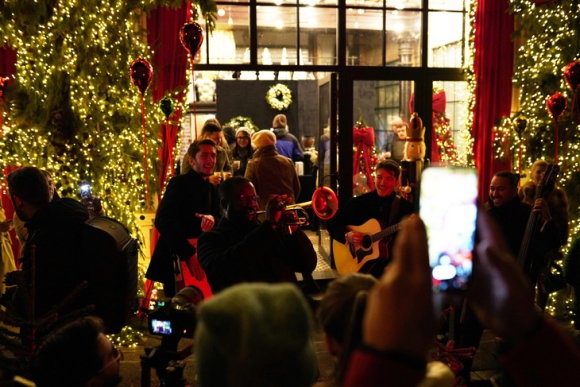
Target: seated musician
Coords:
[[241, 249], [373, 211]]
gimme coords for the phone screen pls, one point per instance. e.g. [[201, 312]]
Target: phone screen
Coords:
[[448, 206], [161, 327], [85, 191]]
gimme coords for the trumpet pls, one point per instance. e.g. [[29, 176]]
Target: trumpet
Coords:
[[324, 203]]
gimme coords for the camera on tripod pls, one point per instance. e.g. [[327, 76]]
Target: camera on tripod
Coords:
[[172, 319], [176, 317]]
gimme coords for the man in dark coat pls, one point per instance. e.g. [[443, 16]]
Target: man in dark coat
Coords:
[[383, 205], [54, 229], [240, 249], [188, 208]]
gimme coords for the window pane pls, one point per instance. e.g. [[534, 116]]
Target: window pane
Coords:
[[318, 2], [364, 37], [276, 37], [403, 38], [445, 45], [404, 4], [318, 35], [447, 5], [231, 37], [449, 110]]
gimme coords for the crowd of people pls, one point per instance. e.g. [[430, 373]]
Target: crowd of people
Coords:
[[224, 217]]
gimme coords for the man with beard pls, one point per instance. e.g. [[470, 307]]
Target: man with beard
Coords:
[[188, 208], [77, 354], [382, 205], [240, 249]]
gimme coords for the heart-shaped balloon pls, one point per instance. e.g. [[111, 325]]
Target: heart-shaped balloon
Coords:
[[191, 36], [556, 104], [166, 106], [572, 74], [141, 74]]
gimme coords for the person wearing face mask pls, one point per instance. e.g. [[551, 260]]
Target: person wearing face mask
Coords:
[[383, 206], [241, 249]]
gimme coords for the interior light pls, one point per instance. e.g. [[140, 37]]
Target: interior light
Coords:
[[279, 24], [221, 12], [361, 11], [356, 24]]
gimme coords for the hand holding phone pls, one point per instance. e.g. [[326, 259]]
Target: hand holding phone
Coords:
[[448, 206]]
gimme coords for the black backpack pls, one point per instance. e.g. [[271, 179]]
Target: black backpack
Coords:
[[111, 256]]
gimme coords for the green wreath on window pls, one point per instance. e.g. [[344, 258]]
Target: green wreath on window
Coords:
[[279, 97]]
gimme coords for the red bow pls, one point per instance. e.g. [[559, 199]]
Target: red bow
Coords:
[[363, 138]]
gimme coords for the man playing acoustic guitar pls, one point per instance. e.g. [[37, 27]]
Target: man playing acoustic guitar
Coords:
[[363, 228]]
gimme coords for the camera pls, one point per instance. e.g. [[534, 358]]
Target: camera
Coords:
[[176, 317]]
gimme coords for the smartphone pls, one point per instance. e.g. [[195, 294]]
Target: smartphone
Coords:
[[448, 207], [86, 192]]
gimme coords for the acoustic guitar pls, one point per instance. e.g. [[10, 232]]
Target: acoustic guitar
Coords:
[[351, 258]]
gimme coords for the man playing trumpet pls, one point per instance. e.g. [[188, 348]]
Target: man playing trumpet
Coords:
[[241, 249]]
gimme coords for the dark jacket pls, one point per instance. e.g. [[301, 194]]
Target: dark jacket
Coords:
[[176, 222], [287, 144], [271, 174], [231, 254], [513, 218], [59, 267]]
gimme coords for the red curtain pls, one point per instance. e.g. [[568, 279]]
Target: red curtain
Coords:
[[493, 68]]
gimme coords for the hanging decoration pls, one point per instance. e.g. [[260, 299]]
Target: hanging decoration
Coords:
[[556, 105], [141, 74], [279, 97], [572, 78], [166, 106], [3, 87], [364, 159], [520, 129], [191, 37]]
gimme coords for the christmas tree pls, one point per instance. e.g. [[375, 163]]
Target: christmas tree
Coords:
[[72, 109]]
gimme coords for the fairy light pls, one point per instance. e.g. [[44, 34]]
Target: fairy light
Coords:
[[551, 34], [92, 132]]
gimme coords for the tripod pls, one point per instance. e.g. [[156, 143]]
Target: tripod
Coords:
[[167, 362]]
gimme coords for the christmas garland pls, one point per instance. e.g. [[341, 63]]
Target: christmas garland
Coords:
[[279, 97], [239, 121]]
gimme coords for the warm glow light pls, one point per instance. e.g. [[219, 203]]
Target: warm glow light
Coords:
[[356, 24], [221, 12], [279, 24]]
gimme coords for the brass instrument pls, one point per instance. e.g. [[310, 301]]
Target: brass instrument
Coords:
[[324, 203]]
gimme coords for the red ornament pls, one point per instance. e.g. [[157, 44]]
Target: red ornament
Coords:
[[556, 104], [191, 37], [572, 74], [3, 86], [141, 74]]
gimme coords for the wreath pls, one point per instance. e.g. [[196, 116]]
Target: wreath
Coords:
[[239, 121], [279, 97]]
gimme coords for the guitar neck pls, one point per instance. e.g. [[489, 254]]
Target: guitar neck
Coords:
[[386, 232]]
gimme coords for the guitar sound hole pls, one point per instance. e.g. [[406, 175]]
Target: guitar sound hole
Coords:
[[367, 242]]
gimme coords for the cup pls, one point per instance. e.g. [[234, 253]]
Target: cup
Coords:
[[236, 163]]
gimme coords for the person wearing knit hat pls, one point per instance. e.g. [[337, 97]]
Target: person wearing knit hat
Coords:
[[287, 144], [270, 172], [242, 151], [255, 335], [263, 139]]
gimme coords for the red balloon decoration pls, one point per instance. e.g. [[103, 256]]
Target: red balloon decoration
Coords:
[[572, 74], [141, 74], [556, 104], [3, 86], [191, 36]]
